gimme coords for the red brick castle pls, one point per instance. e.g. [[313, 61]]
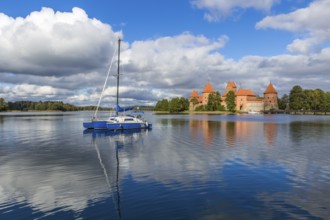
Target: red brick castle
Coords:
[[246, 100]]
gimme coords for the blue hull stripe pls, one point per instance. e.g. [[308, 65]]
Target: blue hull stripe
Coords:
[[88, 125], [100, 124]]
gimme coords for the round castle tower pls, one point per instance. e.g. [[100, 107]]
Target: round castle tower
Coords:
[[270, 98], [208, 89]]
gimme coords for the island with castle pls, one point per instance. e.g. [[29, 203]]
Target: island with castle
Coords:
[[246, 100]]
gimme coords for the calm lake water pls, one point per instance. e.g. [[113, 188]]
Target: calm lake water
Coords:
[[186, 167]]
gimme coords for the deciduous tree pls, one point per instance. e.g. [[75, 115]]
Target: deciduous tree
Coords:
[[230, 101], [297, 98], [3, 105]]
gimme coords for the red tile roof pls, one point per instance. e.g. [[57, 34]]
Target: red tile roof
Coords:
[[208, 88], [194, 94], [231, 84], [270, 89], [245, 92]]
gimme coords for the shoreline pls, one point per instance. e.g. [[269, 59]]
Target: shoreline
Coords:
[[238, 113], [196, 113]]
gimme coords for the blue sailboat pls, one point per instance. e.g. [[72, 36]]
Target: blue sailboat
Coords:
[[96, 123], [121, 120]]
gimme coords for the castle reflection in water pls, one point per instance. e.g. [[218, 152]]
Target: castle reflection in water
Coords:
[[233, 132]]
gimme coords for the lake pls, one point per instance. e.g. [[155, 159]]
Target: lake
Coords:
[[186, 167]]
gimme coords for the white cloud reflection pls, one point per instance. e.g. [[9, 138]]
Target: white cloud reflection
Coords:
[[181, 160]]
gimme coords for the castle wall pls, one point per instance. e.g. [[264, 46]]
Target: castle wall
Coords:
[[205, 98], [191, 106], [245, 100], [270, 102], [256, 106], [242, 103]]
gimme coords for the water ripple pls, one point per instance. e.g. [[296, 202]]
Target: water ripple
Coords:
[[187, 167]]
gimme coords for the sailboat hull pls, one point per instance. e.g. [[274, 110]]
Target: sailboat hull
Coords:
[[88, 125], [114, 126], [128, 126], [124, 126], [133, 126], [100, 125]]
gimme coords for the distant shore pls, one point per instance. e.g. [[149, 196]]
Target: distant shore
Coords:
[[301, 112], [196, 113]]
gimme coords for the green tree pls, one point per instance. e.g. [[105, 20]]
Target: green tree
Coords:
[[44, 106], [201, 108], [230, 101], [174, 105], [325, 102], [56, 106], [218, 105], [40, 106], [194, 100], [184, 104], [211, 106], [308, 101], [3, 105], [283, 102], [318, 97], [162, 105], [214, 102], [297, 98], [178, 105]]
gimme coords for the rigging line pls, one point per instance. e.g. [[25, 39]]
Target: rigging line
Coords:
[[105, 83]]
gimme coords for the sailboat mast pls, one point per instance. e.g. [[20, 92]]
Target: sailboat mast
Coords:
[[117, 100]]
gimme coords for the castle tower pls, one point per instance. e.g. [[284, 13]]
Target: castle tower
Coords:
[[270, 98], [231, 86], [192, 100], [194, 94], [208, 89]]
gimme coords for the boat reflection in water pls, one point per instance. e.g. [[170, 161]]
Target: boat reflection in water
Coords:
[[113, 141]]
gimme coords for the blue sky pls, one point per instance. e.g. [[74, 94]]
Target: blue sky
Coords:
[[145, 19], [60, 50]]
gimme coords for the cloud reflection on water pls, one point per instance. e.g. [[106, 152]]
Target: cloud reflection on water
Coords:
[[263, 163]]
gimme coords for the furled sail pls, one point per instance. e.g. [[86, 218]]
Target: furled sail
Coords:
[[120, 109]]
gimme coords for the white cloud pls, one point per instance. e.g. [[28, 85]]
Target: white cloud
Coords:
[[54, 54], [311, 22], [169, 61], [152, 69], [218, 9], [173, 66], [28, 91], [54, 43]]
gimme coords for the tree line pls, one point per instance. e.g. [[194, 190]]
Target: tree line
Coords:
[[174, 105], [305, 100], [41, 106], [298, 99], [36, 106], [177, 104], [52, 106]]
